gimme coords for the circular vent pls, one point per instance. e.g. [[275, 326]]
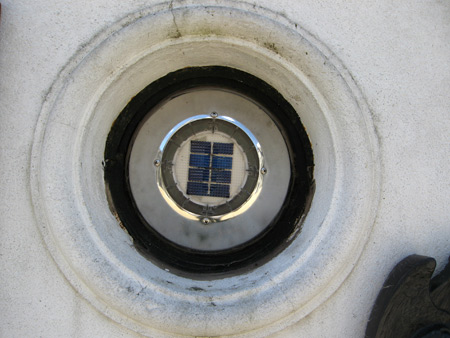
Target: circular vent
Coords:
[[206, 169], [210, 168]]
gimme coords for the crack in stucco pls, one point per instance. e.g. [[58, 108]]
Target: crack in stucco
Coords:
[[177, 30]]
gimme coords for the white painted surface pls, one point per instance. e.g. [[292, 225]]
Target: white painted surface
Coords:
[[398, 55]]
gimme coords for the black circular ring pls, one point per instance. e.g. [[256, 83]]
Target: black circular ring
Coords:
[[186, 261]]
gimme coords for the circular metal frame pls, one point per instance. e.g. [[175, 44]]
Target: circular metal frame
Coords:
[[234, 206]]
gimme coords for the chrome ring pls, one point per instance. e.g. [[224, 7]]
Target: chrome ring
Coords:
[[179, 199]]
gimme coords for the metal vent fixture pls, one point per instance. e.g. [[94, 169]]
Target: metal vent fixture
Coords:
[[210, 170]]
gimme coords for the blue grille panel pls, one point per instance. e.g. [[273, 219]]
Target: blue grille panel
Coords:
[[199, 175], [201, 147], [199, 161], [196, 188], [221, 176], [222, 162], [223, 148], [219, 190]]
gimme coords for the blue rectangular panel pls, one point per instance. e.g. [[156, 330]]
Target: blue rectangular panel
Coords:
[[201, 147], [199, 175], [221, 176], [222, 162], [223, 148], [199, 161], [219, 190], [197, 188]]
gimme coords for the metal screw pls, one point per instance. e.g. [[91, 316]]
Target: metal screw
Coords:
[[214, 114], [263, 171], [157, 163], [205, 221]]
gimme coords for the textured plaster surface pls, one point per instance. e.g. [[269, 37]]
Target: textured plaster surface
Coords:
[[397, 52]]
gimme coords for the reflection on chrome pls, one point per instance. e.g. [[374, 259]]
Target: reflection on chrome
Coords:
[[253, 195]]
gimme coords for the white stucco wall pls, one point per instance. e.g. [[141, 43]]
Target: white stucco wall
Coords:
[[399, 56]]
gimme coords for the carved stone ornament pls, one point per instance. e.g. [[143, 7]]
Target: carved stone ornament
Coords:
[[411, 303]]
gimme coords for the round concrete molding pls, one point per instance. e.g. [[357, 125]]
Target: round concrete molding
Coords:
[[96, 254]]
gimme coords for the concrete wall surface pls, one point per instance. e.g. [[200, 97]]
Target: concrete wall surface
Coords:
[[389, 116]]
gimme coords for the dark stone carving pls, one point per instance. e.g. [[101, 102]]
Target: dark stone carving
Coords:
[[411, 304]]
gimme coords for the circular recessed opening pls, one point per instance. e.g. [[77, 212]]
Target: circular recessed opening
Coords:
[[101, 261], [210, 171]]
